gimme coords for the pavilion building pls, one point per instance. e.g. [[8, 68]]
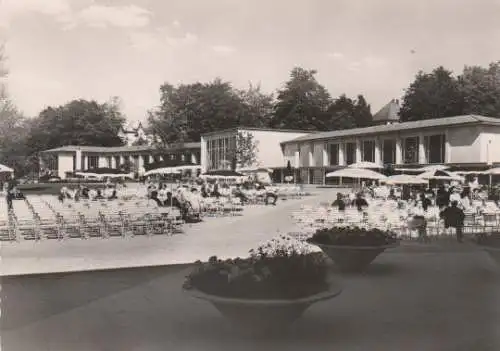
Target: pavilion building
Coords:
[[65, 160]]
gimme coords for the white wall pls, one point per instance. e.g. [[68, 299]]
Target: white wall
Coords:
[[65, 164], [466, 145], [490, 144], [269, 153]]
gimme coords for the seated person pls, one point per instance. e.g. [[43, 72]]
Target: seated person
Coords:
[[98, 195], [392, 195], [360, 202], [339, 202], [237, 192], [113, 195], [84, 193]]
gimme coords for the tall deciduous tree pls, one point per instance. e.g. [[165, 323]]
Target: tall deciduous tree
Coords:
[[362, 112], [480, 88], [342, 114], [79, 122], [257, 107], [188, 111], [303, 103], [432, 95]]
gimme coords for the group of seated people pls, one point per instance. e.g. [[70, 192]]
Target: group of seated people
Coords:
[[214, 190], [84, 192], [451, 204]]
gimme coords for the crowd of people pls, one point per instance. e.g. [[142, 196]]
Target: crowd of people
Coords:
[[452, 202]]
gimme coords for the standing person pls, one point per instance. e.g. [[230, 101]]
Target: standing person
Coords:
[[339, 202], [9, 197], [454, 217], [442, 197]]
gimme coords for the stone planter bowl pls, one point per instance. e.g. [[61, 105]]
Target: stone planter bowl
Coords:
[[352, 259], [259, 315]]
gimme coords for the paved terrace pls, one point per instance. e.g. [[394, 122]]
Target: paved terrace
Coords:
[[412, 300], [224, 237]]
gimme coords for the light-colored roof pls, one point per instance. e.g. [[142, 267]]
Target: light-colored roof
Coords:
[[388, 113], [117, 149], [396, 127], [259, 129]]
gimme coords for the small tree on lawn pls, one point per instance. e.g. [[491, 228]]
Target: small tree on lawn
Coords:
[[245, 151]]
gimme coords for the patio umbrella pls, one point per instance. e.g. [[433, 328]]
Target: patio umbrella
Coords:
[[164, 170], [401, 179], [5, 169], [356, 173], [434, 168], [440, 175], [222, 174], [255, 170], [104, 172], [493, 171], [365, 165]]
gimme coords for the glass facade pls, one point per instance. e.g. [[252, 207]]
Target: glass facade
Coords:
[[333, 154], [93, 162], [410, 150], [435, 147], [220, 152], [368, 151], [389, 151], [350, 153]]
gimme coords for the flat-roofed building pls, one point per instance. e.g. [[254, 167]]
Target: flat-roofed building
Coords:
[[218, 147], [68, 159], [456, 141]]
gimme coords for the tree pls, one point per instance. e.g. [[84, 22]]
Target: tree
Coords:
[[303, 103], [432, 95], [257, 107], [480, 88], [14, 130], [188, 111], [244, 152], [362, 113], [342, 114], [79, 122]]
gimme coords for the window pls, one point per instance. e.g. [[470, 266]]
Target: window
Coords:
[[350, 153], [410, 150], [108, 160], [219, 152], [435, 146], [368, 151], [333, 152], [117, 161], [389, 151], [93, 162]]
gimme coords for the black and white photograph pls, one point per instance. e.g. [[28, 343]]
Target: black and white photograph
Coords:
[[208, 175]]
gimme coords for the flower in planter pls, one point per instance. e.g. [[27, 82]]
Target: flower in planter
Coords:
[[354, 236], [279, 269]]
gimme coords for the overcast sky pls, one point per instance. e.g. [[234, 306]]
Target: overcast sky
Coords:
[[59, 50]]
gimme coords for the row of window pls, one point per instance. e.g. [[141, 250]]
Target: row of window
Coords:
[[220, 152], [434, 151], [93, 161]]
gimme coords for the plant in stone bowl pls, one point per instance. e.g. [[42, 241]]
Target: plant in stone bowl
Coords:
[[270, 289], [353, 248]]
